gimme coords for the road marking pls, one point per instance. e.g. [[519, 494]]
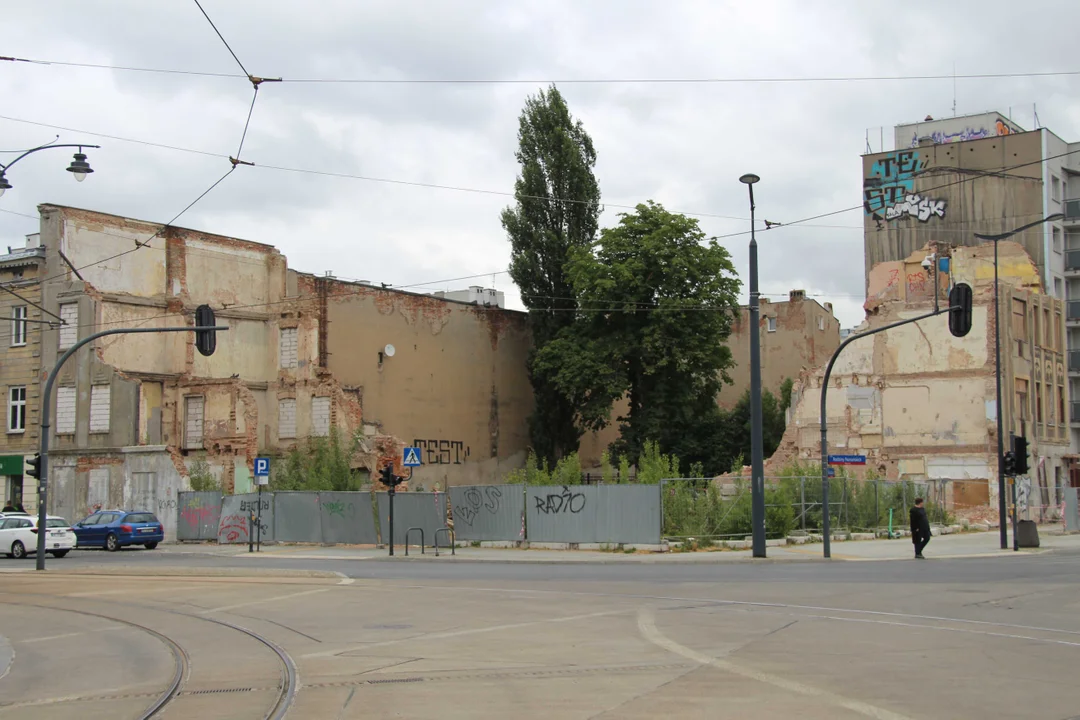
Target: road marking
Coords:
[[133, 591], [69, 635], [949, 629], [345, 579], [460, 633], [223, 608], [647, 626]]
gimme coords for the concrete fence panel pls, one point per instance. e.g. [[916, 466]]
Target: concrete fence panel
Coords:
[[488, 512], [593, 514], [347, 518], [235, 525], [297, 517], [1072, 513], [412, 509], [198, 515]]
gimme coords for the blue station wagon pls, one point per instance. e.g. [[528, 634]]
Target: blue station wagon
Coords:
[[114, 529]]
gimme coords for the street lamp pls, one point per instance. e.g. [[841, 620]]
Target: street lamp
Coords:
[[997, 381], [79, 167], [757, 451]]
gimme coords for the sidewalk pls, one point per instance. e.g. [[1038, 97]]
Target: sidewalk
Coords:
[[966, 545]]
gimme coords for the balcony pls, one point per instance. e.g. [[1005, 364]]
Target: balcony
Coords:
[[1072, 259], [1074, 412], [1074, 361], [1073, 310], [1072, 210]]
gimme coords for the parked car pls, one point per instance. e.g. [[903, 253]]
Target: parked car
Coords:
[[114, 529], [19, 535]]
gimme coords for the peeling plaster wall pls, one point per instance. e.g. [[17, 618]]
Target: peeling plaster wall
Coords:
[[919, 402]]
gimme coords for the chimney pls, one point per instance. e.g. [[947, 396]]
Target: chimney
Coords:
[[828, 306], [796, 295]]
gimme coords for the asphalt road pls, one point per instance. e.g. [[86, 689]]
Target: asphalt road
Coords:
[[446, 638]]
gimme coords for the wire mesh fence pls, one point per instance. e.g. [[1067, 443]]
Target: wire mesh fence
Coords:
[[703, 508]]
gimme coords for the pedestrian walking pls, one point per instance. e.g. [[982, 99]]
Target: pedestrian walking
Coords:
[[920, 527]]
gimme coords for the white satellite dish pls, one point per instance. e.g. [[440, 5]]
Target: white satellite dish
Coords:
[[389, 350]]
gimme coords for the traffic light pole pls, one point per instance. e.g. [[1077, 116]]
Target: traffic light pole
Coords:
[[46, 406]]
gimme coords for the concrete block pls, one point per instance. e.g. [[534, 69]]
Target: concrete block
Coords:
[[797, 539], [862, 536], [737, 544], [980, 527], [778, 542], [647, 547], [840, 537], [957, 528], [552, 546], [498, 543], [935, 531], [816, 537]]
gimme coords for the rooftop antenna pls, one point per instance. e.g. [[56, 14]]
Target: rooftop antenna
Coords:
[[954, 88], [1036, 114], [868, 150]]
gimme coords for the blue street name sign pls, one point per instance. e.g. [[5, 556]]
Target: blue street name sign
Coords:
[[847, 459]]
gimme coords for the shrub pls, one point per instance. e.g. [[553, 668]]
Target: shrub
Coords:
[[201, 479]]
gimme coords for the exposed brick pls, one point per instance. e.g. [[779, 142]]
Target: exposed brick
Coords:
[[287, 418], [288, 348], [320, 416], [69, 331]]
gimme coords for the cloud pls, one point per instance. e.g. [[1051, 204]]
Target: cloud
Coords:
[[684, 145]]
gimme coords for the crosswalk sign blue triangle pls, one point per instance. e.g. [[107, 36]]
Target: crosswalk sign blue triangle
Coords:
[[411, 457]]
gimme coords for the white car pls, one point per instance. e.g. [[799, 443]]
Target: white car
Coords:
[[18, 536]]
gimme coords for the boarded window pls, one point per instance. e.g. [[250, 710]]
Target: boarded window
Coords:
[[288, 350], [193, 422], [65, 410], [99, 408], [320, 416], [287, 418], [69, 330]]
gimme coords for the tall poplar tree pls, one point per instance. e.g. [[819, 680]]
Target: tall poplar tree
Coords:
[[556, 214]]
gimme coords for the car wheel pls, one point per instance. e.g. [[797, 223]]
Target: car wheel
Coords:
[[112, 543], [151, 546], [18, 551], [60, 553]]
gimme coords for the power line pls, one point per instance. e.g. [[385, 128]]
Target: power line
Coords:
[[223, 40], [564, 81]]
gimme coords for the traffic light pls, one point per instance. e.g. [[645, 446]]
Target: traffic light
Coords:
[[34, 466], [960, 309], [1020, 455], [1010, 463], [387, 475], [205, 340]]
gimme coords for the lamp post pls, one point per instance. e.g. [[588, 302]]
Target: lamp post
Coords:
[[79, 168], [757, 451], [1002, 511]]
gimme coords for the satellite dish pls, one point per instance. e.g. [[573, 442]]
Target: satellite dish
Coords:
[[389, 350]]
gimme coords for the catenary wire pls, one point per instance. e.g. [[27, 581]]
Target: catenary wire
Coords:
[[583, 81], [223, 40]]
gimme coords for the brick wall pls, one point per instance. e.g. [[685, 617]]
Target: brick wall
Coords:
[[288, 349], [287, 418], [69, 332], [320, 416], [193, 422], [99, 408], [65, 410]]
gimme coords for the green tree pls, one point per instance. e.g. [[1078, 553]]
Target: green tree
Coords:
[[319, 463], [733, 429], [556, 212], [656, 302]]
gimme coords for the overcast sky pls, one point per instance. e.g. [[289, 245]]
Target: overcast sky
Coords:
[[684, 145]]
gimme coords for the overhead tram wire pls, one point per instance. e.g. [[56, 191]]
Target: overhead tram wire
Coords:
[[544, 81]]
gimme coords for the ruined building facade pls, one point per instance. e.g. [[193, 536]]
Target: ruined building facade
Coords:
[[920, 404], [303, 354]]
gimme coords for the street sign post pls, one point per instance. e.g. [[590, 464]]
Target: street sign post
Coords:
[[410, 457], [262, 477], [847, 459]]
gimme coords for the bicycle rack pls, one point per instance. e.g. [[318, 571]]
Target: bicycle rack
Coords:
[[449, 538], [421, 540]]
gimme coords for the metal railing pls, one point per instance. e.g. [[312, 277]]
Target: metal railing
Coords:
[[1072, 209], [1074, 411], [1072, 259], [1073, 310], [1074, 360]]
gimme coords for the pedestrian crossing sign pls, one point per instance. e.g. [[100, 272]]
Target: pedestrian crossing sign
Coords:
[[410, 457]]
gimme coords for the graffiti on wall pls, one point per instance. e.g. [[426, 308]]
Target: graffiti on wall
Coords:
[[916, 206], [477, 499], [889, 191], [564, 502], [442, 452], [964, 134]]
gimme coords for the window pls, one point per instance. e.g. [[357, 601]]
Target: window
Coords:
[[770, 324], [287, 418], [18, 325], [288, 348], [1056, 234], [320, 416], [99, 409], [193, 422], [821, 323], [1059, 289], [1038, 402], [92, 520], [1055, 188], [69, 330], [17, 409], [65, 410]]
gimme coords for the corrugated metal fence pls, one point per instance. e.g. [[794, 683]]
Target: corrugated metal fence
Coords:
[[569, 514]]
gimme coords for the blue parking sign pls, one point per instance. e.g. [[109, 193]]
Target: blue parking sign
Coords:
[[262, 467]]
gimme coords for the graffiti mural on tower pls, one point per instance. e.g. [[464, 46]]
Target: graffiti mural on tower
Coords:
[[889, 191]]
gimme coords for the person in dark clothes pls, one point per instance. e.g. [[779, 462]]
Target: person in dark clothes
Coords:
[[8, 507], [920, 527]]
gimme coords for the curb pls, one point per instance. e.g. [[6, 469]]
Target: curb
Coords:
[[179, 571]]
